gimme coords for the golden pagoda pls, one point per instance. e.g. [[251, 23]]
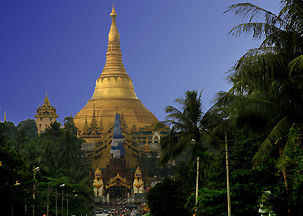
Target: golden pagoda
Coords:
[[114, 92], [116, 126], [46, 114]]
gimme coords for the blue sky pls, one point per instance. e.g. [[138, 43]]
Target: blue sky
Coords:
[[168, 47]]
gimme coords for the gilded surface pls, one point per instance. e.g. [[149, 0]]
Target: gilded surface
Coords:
[[101, 156], [98, 183], [138, 184], [114, 91]]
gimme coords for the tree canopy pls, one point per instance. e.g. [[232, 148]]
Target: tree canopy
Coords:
[[57, 152]]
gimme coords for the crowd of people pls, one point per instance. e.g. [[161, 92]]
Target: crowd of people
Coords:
[[119, 211]]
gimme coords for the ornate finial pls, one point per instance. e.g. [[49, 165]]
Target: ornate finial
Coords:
[[113, 13], [46, 101], [4, 116], [113, 35]]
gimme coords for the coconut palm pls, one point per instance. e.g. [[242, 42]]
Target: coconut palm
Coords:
[[186, 128], [70, 150], [268, 80], [271, 71]]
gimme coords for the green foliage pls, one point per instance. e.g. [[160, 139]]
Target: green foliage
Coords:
[[275, 136], [210, 202], [262, 116], [150, 166], [58, 153], [267, 95], [247, 186], [13, 169], [167, 198], [185, 135], [70, 125]]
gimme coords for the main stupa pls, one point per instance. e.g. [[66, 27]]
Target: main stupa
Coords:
[[114, 92]]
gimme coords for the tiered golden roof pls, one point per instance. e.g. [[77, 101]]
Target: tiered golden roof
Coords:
[[114, 91], [118, 181], [46, 110], [101, 156]]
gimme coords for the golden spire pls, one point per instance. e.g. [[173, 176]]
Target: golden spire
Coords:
[[93, 125], [113, 35], [86, 127], [113, 64], [4, 116], [114, 82], [46, 101], [113, 13]]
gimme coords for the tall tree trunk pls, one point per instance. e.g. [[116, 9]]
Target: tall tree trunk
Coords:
[[285, 181]]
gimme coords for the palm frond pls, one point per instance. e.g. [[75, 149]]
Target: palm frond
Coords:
[[292, 13], [285, 158], [257, 29], [186, 125], [267, 146], [172, 110], [250, 12], [296, 64], [172, 146], [260, 72]]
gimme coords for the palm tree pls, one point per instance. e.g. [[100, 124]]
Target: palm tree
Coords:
[[268, 80], [271, 71], [70, 125], [186, 128], [70, 149]]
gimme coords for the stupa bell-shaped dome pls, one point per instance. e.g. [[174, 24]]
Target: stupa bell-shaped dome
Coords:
[[114, 91]]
